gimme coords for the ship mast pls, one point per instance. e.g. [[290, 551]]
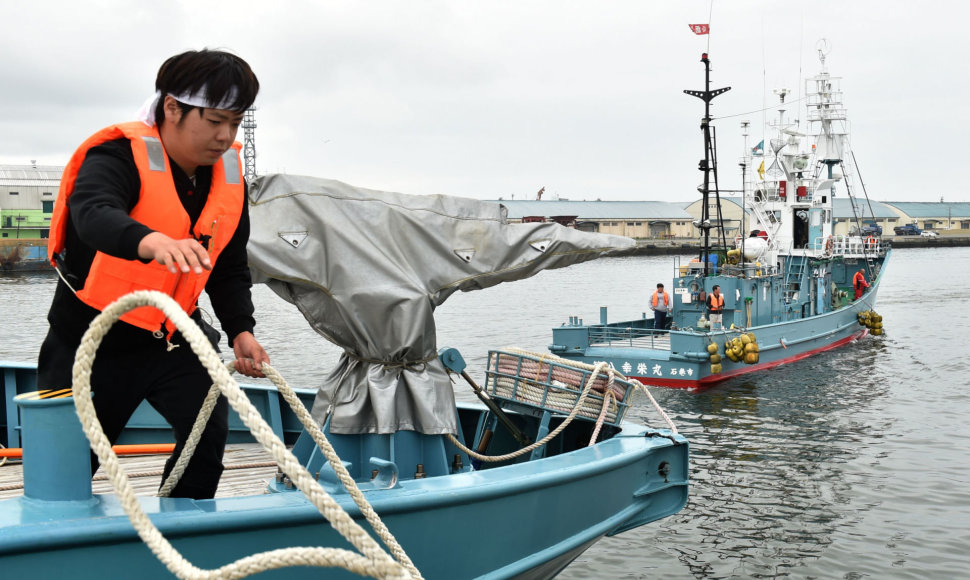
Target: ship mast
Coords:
[[708, 164]]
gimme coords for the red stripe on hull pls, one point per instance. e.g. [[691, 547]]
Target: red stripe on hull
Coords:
[[710, 380]]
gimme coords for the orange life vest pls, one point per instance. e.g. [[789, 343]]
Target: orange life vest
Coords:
[[716, 303], [655, 299], [859, 280], [160, 209]]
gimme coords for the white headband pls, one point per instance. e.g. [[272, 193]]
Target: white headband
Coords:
[[146, 114]]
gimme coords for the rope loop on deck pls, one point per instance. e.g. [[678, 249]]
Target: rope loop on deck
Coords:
[[549, 437], [372, 560], [608, 399]]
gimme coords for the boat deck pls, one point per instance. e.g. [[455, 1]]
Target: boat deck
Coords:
[[248, 470]]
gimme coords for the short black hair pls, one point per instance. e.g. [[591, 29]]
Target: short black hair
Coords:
[[220, 72], [716, 287], [660, 285]]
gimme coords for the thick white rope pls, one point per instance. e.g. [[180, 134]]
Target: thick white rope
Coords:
[[319, 438], [608, 398], [552, 434], [345, 478], [208, 405], [374, 562], [643, 388]]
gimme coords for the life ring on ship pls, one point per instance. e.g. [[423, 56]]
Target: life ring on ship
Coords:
[[829, 244]]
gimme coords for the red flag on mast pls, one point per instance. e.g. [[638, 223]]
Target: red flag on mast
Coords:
[[700, 28]]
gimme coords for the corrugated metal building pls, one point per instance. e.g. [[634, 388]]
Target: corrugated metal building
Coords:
[[934, 215], [730, 214], [635, 219], [846, 216], [27, 194]]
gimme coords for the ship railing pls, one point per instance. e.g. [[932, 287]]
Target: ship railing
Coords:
[[629, 336], [855, 245]]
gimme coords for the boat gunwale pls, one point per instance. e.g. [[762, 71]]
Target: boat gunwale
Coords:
[[633, 444]]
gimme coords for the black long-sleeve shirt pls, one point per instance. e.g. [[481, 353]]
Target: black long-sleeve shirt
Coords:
[[106, 190]]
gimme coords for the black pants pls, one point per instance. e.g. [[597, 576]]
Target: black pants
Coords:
[[174, 382]]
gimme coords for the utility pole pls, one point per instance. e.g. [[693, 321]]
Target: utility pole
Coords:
[[249, 144]]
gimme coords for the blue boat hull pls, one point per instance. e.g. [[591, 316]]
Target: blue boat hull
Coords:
[[779, 344], [681, 358], [519, 520]]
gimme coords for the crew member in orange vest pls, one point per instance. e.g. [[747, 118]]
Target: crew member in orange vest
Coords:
[[859, 284], [159, 204], [715, 307], [660, 304]]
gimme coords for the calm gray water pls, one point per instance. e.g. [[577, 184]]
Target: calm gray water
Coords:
[[851, 464]]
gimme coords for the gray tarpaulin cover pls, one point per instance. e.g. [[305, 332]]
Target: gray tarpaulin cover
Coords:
[[367, 269]]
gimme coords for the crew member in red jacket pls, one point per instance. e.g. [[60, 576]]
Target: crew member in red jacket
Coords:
[[859, 284], [159, 204]]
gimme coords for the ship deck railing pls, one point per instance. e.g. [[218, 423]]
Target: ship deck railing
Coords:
[[629, 336], [851, 246]]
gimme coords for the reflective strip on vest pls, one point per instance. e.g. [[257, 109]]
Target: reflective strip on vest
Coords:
[[156, 153], [230, 162]]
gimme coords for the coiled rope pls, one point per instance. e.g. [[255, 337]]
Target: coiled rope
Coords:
[[608, 397], [372, 560]]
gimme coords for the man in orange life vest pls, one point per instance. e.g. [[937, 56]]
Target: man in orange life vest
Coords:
[[660, 304], [159, 204], [859, 284], [715, 307]]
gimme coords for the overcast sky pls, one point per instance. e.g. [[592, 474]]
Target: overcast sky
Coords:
[[497, 98]]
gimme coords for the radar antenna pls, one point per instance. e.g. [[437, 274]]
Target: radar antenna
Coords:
[[708, 165], [824, 47]]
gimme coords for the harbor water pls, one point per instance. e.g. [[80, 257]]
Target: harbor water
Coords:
[[850, 464]]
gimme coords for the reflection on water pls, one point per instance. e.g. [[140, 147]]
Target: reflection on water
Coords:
[[850, 464], [771, 471]]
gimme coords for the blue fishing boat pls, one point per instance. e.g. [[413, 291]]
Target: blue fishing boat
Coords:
[[787, 280], [516, 487]]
